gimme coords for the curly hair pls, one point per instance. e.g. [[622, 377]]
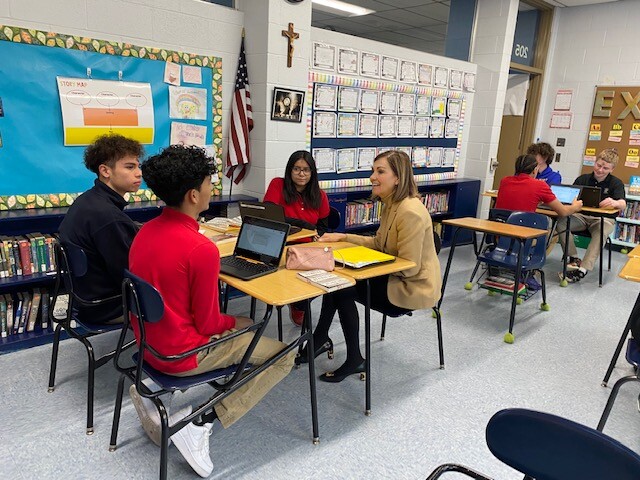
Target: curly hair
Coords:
[[311, 194], [526, 164], [609, 155], [176, 170], [400, 165], [108, 149], [543, 149]]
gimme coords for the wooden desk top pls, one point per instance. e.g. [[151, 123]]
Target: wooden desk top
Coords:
[[599, 212], [398, 265], [280, 288], [497, 228], [631, 270], [635, 252]]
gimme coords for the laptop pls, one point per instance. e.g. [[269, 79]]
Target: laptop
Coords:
[[258, 249], [566, 193], [270, 211], [590, 196]]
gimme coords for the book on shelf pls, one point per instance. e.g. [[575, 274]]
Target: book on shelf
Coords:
[[26, 254], [24, 314], [634, 185], [3, 316], [45, 309], [358, 257], [33, 312], [328, 281], [9, 301], [21, 312]]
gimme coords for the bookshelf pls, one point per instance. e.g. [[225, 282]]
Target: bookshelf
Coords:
[[47, 221], [627, 230], [448, 198]]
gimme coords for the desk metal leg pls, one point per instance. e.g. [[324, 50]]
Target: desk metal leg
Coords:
[[601, 245], [312, 371], [448, 267], [565, 252], [367, 358], [252, 313], [634, 314], [508, 338]]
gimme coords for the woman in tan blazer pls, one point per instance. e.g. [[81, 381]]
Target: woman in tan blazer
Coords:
[[405, 231]]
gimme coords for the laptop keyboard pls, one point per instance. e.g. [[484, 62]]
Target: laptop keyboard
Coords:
[[241, 263]]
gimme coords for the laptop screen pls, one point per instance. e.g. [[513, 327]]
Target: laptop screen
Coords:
[[261, 240], [565, 193]]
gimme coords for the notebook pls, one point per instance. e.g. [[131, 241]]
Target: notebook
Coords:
[[270, 211], [358, 257], [590, 196], [258, 249], [566, 193]]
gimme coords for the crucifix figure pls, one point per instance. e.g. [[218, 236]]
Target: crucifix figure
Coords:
[[291, 36]]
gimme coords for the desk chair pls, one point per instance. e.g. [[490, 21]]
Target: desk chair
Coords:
[[143, 301], [497, 215], [547, 447], [435, 312], [71, 268], [633, 357]]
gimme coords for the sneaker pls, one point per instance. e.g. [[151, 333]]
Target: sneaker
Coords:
[[296, 315], [574, 276], [574, 263], [193, 443], [150, 417], [532, 284]]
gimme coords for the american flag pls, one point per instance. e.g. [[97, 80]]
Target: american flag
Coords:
[[238, 154]]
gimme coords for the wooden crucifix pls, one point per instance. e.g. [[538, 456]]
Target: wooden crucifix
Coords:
[[291, 36]]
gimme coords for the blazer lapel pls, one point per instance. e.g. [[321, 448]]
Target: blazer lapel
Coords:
[[390, 218]]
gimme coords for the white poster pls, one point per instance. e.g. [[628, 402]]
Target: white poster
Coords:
[[188, 102], [188, 134], [91, 108]]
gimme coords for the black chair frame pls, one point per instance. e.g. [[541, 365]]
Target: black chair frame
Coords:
[[224, 381], [72, 264]]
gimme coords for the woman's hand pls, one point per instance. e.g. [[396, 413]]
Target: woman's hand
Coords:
[[332, 237]]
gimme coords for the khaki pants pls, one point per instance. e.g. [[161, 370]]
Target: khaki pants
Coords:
[[233, 407], [580, 223]]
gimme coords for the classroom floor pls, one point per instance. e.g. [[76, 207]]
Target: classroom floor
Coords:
[[422, 416]]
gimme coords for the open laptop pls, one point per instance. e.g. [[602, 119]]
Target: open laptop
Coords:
[[590, 196], [258, 249], [270, 211], [566, 193]]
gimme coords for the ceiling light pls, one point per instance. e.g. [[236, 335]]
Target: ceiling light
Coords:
[[340, 8]]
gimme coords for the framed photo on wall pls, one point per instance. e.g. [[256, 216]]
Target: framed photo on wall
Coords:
[[287, 105]]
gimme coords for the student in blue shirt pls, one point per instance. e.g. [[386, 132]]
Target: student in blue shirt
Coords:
[[544, 154]]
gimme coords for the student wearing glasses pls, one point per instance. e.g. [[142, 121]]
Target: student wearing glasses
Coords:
[[305, 204]]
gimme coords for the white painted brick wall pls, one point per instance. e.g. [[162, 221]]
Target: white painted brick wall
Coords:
[[594, 45]]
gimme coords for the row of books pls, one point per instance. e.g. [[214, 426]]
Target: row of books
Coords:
[[26, 254], [503, 285], [627, 232], [362, 212], [437, 202], [21, 311], [632, 211]]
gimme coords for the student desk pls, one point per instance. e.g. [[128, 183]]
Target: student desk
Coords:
[[364, 274], [631, 272], [516, 232], [278, 289], [226, 248], [602, 213]]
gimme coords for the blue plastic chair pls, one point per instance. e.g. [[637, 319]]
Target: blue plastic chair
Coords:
[[533, 256], [633, 357], [71, 267], [145, 303], [548, 447]]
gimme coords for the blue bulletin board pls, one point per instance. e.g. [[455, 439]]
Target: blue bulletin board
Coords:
[[37, 169]]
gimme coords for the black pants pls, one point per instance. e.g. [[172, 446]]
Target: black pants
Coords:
[[344, 302]]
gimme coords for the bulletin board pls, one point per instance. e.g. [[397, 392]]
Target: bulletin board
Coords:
[[37, 169], [615, 123]]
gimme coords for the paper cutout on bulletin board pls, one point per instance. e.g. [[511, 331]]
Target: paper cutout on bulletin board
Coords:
[[189, 103], [188, 134], [91, 108]]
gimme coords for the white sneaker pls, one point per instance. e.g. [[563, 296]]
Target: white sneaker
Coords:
[[193, 443], [150, 417]]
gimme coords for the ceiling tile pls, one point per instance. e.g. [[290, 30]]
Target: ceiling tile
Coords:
[[408, 3], [376, 21], [436, 10], [346, 25], [423, 34], [404, 17], [317, 16]]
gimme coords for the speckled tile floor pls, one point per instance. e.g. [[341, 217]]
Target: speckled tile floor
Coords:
[[422, 416]]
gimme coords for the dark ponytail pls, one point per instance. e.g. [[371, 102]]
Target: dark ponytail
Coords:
[[525, 164]]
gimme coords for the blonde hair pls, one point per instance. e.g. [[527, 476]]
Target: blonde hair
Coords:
[[609, 155], [400, 164]]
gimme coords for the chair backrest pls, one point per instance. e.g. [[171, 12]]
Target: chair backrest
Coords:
[[334, 218], [142, 299], [532, 220], [548, 447], [499, 214]]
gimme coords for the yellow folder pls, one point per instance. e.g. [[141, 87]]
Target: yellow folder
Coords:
[[358, 257]]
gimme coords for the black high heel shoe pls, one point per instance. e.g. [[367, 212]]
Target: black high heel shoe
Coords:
[[343, 372], [326, 346]]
